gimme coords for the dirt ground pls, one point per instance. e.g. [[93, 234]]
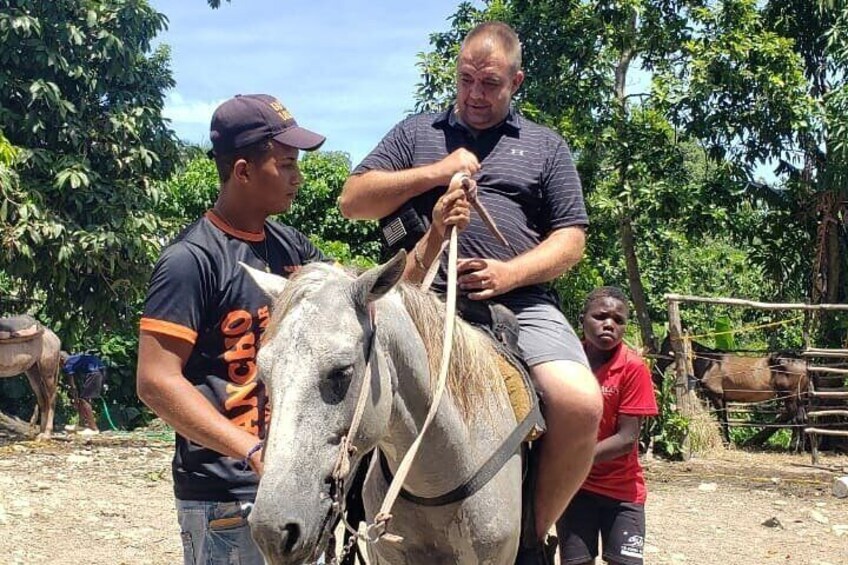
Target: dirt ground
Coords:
[[109, 500]]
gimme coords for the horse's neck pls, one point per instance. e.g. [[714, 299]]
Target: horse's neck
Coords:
[[451, 450]]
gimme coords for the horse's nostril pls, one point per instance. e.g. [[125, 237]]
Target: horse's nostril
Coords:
[[290, 537]]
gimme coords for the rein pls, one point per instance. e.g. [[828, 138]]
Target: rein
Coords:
[[381, 520], [377, 530]]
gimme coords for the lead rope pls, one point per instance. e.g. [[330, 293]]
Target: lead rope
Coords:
[[376, 531]]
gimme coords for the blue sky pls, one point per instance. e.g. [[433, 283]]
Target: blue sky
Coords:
[[345, 69]]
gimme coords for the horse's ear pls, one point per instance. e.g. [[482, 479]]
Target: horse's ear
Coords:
[[272, 285], [376, 282]]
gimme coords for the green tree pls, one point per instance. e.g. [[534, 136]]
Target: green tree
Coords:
[[768, 89], [315, 211], [81, 95], [577, 57], [189, 192]]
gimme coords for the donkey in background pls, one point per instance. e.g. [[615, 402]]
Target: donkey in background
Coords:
[[724, 377], [28, 347]]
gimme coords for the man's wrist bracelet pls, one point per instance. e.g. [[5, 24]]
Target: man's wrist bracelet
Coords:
[[245, 463], [419, 261]]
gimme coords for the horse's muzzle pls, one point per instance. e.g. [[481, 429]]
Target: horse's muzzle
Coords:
[[280, 541]]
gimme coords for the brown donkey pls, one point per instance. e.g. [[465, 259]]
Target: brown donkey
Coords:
[[28, 347], [724, 377]]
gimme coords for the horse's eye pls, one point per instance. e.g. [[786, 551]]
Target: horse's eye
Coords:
[[334, 387]]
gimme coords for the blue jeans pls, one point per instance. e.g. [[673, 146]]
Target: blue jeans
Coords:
[[216, 533]]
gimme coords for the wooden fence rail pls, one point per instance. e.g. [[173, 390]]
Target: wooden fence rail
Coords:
[[822, 374]]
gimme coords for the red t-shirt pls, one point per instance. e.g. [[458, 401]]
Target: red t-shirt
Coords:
[[627, 388]]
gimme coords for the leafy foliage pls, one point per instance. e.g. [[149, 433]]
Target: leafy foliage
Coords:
[[81, 96], [189, 192], [669, 428], [744, 90], [315, 212]]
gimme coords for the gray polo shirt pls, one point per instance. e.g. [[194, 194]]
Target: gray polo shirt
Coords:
[[527, 181]]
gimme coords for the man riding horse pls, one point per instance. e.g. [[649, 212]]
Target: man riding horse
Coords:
[[526, 177]]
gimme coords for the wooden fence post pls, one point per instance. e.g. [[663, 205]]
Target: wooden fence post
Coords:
[[681, 380]]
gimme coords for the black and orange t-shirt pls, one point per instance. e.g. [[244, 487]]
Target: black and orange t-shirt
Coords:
[[200, 293]]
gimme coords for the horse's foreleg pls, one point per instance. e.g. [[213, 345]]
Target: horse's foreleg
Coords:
[[34, 375], [43, 377], [796, 414], [720, 406], [47, 423], [725, 420], [51, 385]]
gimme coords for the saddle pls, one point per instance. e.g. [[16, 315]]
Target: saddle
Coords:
[[502, 326], [19, 328]]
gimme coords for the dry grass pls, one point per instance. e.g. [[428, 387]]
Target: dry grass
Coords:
[[704, 430]]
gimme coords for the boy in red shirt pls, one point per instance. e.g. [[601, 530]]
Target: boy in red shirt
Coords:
[[611, 501]]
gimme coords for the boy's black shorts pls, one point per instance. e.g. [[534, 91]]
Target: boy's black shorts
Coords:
[[621, 526]]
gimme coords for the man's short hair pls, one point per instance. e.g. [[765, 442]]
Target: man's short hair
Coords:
[[503, 35], [253, 153], [603, 292]]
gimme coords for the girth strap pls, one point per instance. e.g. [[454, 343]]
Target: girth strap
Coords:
[[485, 473]]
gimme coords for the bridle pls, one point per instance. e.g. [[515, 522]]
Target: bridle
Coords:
[[377, 530]]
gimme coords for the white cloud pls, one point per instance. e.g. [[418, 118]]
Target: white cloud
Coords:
[[189, 111]]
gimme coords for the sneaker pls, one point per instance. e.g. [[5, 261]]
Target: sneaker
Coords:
[[70, 428], [88, 432]]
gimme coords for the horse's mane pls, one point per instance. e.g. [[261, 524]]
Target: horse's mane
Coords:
[[473, 367]]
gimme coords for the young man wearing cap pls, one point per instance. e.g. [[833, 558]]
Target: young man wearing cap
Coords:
[[203, 318]]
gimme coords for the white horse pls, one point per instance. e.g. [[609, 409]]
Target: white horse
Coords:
[[37, 355], [313, 360]]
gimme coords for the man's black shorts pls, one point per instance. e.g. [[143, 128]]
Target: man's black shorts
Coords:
[[620, 525], [90, 385]]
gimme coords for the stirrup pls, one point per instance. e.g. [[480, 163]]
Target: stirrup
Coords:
[[538, 554], [530, 550]]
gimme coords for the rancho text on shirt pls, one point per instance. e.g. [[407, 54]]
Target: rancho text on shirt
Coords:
[[199, 293]]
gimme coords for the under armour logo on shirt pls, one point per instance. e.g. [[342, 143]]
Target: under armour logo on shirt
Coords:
[[519, 152]]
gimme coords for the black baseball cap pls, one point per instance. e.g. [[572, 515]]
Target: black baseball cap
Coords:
[[250, 118]]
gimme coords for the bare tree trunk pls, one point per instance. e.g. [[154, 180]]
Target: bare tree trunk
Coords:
[[834, 263], [634, 279], [628, 244]]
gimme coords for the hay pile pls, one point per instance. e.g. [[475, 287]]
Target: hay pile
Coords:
[[704, 429]]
